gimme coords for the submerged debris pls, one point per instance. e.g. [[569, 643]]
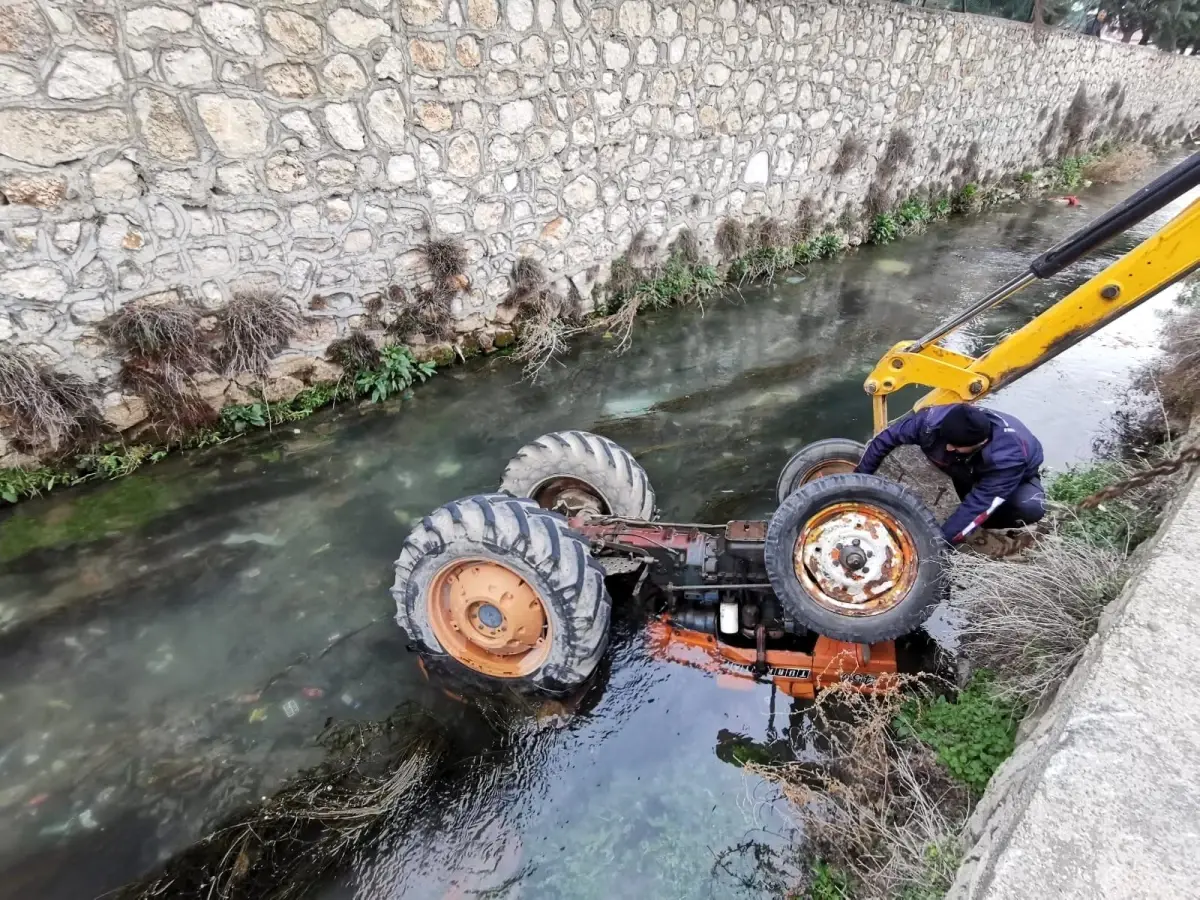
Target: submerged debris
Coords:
[[279, 849]]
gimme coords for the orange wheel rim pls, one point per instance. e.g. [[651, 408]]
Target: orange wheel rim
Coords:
[[489, 618], [855, 559], [829, 467]]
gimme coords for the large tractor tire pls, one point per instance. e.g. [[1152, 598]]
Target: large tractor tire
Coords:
[[856, 557], [504, 589], [575, 471], [834, 456]]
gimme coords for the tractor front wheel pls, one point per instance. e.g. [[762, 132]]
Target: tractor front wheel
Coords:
[[857, 558], [506, 590], [833, 456], [575, 472]]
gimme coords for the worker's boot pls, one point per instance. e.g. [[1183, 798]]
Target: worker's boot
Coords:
[[1002, 543]]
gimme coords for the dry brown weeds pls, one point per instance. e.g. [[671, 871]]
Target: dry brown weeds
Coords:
[[877, 805], [1122, 164]]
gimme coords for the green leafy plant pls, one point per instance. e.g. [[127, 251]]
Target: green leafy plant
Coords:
[[238, 418], [966, 199], [1116, 524], [20, 484], [397, 371], [913, 215], [941, 209], [827, 245], [971, 734], [826, 882], [116, 460], [884, 229]]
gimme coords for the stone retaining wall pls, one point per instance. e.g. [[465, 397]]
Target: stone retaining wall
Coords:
[[178, 148]]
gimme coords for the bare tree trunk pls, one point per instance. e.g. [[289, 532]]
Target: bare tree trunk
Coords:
[[1039, 13]]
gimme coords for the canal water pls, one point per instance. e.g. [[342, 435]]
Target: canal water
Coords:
[[171, 643]]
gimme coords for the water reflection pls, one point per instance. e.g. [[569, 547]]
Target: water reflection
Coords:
[[169, 644]]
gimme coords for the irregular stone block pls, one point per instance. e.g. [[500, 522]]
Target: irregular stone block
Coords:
[[187, 67], [84, 75], [116, 181], [233, 27], [343, 75], [44, 191], [23, 31], [344, 126], [353, 29], [291, 80], [385, 113], [48, 137], [237, 125], [293, 32], [43, 283]]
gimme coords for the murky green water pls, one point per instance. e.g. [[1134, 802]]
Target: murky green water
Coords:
[[170, 643]]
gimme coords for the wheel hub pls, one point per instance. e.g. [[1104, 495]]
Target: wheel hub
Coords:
[[489, 618], [855, 559]]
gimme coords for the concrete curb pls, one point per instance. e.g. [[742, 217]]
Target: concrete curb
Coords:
[[1102, 797]]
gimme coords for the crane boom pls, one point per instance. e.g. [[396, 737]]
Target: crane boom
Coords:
[[1157, 262]]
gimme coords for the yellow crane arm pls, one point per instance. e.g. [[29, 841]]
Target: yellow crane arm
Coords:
[[1160, 260]]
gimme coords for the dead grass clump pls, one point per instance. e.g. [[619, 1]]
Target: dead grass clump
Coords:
[[1122, 164], [529, 278], [804, 225], [686, 246], [377, 774], [255, 326], [878, 806], [850, 154], [1028, 620], [545, 319], [168, 332], [44, 408], [878, 200], [1075, 122], [623, 277], [354, 353], [731, 239], [447, 261], [898, 152], [769, 232], [171, 400], [1179, 382]]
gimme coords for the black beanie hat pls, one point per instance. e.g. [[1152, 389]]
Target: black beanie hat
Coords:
[[965, 426]]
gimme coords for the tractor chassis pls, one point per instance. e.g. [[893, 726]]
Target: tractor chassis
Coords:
[[717, 610]]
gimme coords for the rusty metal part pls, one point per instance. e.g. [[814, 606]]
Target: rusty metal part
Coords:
[[746, 530], [489, 618], [828, 467], [855, 559], [571, 497], [800, 675]]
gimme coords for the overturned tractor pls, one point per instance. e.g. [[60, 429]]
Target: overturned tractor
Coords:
[[518, 586]]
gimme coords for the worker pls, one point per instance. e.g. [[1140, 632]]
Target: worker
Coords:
[[992, 459]]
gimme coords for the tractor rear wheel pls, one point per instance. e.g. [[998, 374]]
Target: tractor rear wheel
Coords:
[[575, 471], [506, 590], [834, 456], [857, 558]]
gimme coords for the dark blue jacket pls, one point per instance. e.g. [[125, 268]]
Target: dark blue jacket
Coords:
[[983, 480]]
